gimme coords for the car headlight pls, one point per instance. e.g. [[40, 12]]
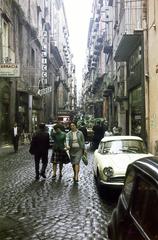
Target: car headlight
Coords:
[[108, 171]]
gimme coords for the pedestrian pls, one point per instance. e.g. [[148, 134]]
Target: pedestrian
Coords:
[[15, 136], [108, 132], [116, 129], [83, 129], [40, 146], [98, 134], [75, 143], [59, 155]]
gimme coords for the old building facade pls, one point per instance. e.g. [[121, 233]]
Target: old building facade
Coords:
[[126, 90], [35, 63]]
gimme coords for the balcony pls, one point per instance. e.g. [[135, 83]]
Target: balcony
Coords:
[[110, 3], [100, 39], [108, 47], [108, 80], [56, 53], [126, 46], [129, 31], [121, 98], [96, 52], [98, 46], [107, 93], [101, 2], [94, 64]]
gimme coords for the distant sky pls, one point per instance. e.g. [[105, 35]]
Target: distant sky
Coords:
[[78, 13]]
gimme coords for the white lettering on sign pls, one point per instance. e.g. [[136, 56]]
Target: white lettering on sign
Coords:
[[44, 74], [44, 33], [44, 91], [44, 67], [44, 54], [44, 61], [44, 58]]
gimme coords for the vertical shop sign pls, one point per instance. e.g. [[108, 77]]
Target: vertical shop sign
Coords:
[[46, 89], [44, 59]]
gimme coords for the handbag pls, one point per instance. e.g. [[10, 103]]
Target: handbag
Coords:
[[85, 159]]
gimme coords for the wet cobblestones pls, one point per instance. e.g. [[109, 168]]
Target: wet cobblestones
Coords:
[[49, 209]]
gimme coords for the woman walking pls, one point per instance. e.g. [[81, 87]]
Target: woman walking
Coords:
[[76, 145], [59, 155]]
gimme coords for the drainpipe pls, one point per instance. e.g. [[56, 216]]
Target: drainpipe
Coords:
[[30, 97], [146, 74]]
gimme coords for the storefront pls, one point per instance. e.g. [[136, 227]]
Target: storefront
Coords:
[[4, 111], [22, 110], [135, 103]]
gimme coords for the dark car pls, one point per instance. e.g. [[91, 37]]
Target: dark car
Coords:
[[136, 214]]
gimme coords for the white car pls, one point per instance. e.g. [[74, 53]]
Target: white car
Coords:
[[113, 156]]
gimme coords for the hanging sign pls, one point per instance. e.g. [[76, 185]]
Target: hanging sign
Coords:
[[44, 91], [44, 58], [9, 70]]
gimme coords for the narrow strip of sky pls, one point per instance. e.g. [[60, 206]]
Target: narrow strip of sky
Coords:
[[78, 13]]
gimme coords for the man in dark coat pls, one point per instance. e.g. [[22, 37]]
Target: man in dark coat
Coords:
[[40, 146], [98, 134], [83, 129]]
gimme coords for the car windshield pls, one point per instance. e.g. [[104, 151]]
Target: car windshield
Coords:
[[122, 146]]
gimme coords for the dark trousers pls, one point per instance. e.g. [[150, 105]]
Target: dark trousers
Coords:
[[38, 157], [15, 143]]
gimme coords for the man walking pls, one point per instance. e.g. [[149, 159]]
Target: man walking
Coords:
[[15, 137], [40, 146], [83, 129]]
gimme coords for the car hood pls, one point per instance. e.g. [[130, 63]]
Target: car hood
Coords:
[[118, 162]]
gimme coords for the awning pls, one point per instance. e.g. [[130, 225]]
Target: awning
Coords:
[[127, 45]]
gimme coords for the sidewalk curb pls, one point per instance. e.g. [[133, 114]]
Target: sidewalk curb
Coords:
[[5, 149]]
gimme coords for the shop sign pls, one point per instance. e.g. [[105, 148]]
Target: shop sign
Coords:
[[44, 58], [44, 91], [9, 70]]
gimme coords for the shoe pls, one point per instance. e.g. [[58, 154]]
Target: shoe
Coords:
[[37, 178], [75, 179], [43, 175]]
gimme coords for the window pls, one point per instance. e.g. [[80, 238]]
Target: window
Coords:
[[101, 148], [124, 146], [5, 39], [128, 186], [145, 207]]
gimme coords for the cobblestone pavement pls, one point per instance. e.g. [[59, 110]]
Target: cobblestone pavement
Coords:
[[49, 209]]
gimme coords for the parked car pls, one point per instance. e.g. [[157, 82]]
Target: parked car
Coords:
[[113, 156], [136, 214]]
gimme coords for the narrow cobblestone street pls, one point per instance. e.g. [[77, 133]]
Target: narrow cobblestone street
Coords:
[[49, 209]]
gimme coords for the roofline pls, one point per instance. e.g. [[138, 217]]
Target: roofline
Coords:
[[122, 137]]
